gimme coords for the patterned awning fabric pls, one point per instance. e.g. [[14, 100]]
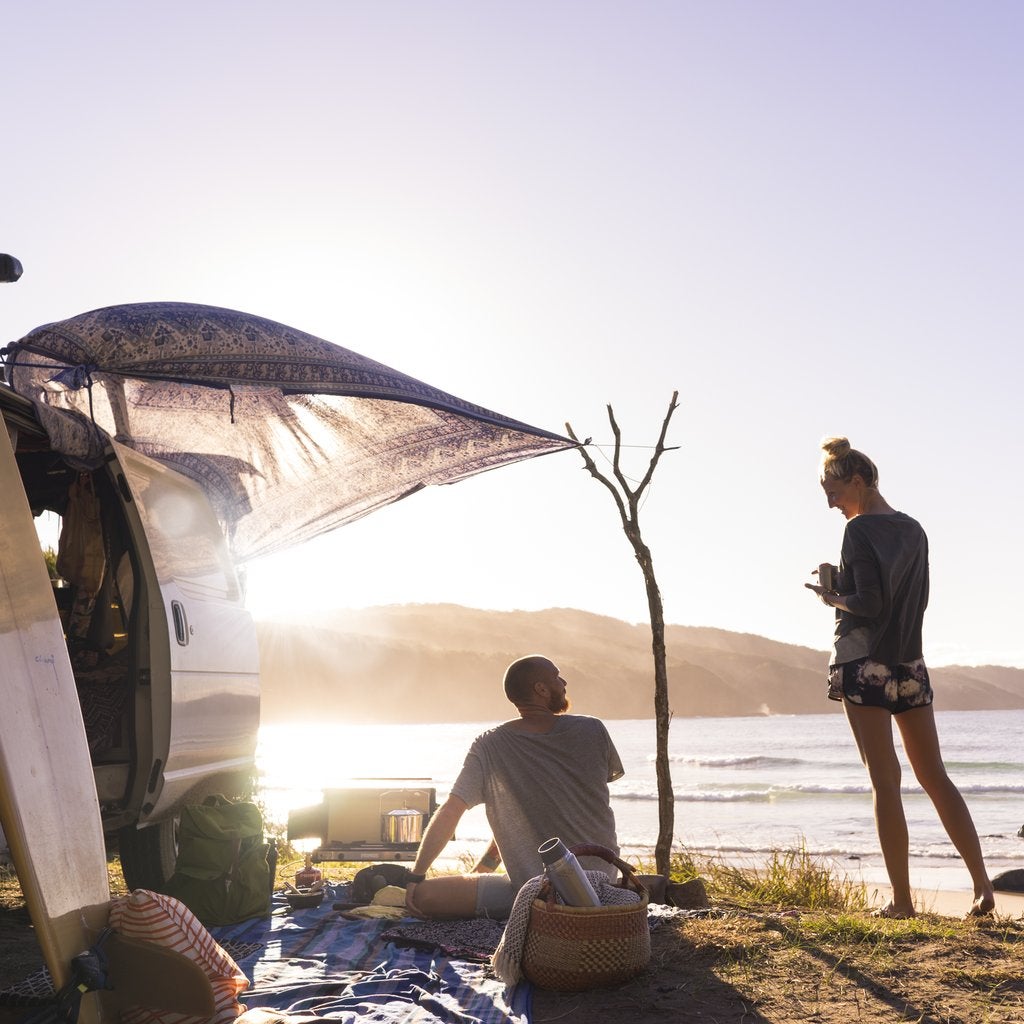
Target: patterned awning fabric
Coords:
[[289, 435]]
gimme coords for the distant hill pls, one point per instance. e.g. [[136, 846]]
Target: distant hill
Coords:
[[444, 663]]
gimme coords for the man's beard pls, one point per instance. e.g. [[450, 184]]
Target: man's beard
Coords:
[[558, 705]]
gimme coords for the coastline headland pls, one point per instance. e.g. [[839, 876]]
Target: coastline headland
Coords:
[[442, 662]]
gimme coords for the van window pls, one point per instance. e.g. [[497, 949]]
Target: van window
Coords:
[[186, 540]]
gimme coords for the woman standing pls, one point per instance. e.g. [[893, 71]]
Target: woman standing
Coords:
[[880, 592]]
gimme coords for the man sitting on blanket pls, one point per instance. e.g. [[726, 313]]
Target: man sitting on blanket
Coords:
[[541, 775]]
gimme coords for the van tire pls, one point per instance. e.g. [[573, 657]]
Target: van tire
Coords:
[[148, 854]]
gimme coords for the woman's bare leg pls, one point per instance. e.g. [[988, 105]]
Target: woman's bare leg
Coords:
[[921, 742], [872, 729]]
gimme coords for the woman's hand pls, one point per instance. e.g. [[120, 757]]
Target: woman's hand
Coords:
[[829, 597]]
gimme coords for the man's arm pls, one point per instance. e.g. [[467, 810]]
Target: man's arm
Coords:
[[438, 834]]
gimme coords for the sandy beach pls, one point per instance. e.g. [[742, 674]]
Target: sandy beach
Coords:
[[951, 903]]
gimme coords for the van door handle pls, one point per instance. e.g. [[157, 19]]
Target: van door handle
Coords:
[[180, 623]]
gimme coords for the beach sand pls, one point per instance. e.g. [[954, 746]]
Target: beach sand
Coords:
[[949, 903]]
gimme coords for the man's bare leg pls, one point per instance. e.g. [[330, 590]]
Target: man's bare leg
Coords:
[[446, 896]]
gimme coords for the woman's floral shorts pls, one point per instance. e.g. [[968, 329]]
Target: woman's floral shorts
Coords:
[[896, 688]]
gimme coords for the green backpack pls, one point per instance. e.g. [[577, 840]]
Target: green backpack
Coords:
[[222, 873]]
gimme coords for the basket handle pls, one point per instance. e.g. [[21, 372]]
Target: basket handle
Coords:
[[629, 879]]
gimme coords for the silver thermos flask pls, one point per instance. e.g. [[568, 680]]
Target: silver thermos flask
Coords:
[[566, 875]]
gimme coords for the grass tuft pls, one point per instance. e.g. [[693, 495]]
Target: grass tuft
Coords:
[[789, 879]]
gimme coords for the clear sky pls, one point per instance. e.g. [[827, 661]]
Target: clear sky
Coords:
[[804, 216]]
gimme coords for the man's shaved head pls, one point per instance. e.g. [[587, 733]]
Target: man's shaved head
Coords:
[[521, 675]]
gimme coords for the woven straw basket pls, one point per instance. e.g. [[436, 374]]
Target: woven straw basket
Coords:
[[570, 949]]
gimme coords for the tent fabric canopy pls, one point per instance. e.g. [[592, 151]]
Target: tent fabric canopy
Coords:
[[289, 435]]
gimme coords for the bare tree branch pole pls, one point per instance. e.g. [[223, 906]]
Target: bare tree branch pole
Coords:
[[627, 500]]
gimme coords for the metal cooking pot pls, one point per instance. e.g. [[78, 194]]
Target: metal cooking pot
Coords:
[[401, 826]]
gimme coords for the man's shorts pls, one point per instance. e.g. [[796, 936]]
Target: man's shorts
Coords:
[[494, 896], [897, 688]]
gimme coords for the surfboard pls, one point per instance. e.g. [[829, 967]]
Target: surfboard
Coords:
[[48, 806]]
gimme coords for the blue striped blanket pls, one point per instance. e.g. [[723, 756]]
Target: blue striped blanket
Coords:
[[316, 962]]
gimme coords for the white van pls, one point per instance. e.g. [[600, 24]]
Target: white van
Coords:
[[163, 651]]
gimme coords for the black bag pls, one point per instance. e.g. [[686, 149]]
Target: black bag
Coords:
[[222, 872], [368, 880]]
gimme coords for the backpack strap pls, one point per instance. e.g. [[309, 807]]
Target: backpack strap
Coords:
[[232, 872]]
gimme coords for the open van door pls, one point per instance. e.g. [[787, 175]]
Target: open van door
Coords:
[[197, 714]]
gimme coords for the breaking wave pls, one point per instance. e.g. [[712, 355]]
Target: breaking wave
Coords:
[[735, 761], [768, 794]]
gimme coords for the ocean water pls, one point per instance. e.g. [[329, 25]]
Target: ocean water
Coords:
[[744, 787]]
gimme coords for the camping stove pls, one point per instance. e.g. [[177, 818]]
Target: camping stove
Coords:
[[373, 819]]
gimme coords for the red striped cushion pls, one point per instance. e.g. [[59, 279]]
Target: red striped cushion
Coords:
[[165, 921]]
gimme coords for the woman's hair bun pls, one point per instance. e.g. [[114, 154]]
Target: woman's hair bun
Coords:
[[839, 462], [836, 447]]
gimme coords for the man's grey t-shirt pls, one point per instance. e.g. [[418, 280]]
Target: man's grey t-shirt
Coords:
[[536, 786]]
